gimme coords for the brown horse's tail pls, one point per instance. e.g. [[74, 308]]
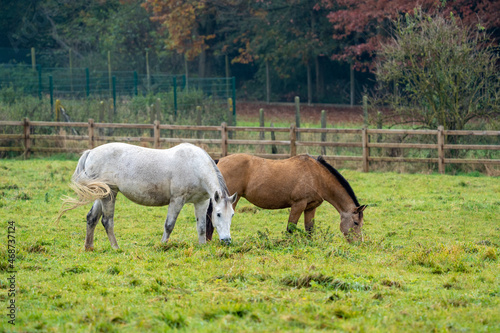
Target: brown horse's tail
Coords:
[[87, 190]]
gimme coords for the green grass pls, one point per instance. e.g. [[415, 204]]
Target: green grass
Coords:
[[429, 263]]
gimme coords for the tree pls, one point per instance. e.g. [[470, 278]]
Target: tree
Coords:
[[445, 72], [89, 28], [289, 36], [200, 29], [360, 26]]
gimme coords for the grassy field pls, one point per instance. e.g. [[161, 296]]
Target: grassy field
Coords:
[[429, 263]]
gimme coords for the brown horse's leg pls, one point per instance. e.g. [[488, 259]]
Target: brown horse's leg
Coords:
[[295, 212], [309, 219]]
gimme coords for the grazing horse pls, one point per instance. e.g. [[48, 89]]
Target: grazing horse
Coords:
[[152, 177], [300, 182]]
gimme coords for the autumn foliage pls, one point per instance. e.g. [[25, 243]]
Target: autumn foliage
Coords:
[[180, 20], [362, 25]]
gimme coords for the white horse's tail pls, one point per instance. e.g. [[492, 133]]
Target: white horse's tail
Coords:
[[86, 189]]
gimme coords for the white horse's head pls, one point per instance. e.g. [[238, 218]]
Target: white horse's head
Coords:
[[222, 214]]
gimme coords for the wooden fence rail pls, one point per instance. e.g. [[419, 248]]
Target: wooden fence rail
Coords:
[[95, 137]]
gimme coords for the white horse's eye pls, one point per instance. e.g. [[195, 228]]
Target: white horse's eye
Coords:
[[218, 214]]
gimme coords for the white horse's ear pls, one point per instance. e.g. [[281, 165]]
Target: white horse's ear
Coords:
[[233, 198], [216, 197]]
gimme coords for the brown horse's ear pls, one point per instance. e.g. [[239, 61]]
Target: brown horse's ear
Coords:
[[360, 209], [216, 197]]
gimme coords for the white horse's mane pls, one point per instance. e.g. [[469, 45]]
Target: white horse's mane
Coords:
[[220, 178]]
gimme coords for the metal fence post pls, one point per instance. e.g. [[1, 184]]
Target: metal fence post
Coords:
[[33, 59], [323, 135], [365, 110], [158, 109], [87, 82], [39, 68], [230, 116], [135, 83], [233, 79], [261, 124], [114, 94], [174, 82], [51, 89], [198, 121]]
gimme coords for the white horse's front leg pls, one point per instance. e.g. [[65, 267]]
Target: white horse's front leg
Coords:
[[200, 210], [174, 208]]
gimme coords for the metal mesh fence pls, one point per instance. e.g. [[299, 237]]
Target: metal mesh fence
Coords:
[[177, 91]]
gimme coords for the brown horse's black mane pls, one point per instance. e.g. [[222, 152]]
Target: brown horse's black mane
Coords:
[[340, 178]]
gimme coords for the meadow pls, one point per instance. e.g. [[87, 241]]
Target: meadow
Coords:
[[429, 262]]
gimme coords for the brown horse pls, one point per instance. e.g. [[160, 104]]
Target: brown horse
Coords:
[[300, 182]]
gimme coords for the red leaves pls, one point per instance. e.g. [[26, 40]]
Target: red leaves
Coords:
[[361, 24]]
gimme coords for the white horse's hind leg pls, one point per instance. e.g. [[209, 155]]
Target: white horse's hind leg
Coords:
[[108, 212], [93, 217], [174, 208], [200, 210]]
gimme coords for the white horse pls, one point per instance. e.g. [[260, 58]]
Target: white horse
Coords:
[[152, 177]]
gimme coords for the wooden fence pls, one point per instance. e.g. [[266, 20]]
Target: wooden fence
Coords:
[[225, 139]]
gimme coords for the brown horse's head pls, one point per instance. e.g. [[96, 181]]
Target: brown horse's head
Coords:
[[351, 224]]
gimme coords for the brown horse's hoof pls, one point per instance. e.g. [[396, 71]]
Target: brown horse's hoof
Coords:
[[89, 248]]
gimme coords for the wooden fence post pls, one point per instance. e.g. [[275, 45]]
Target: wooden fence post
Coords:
[[156, 142], [223, 134], [440, 144], [293, 139], [91, 133], [27, 140], [366, 150]]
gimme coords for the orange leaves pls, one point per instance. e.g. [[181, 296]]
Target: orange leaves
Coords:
[[180, 18]]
